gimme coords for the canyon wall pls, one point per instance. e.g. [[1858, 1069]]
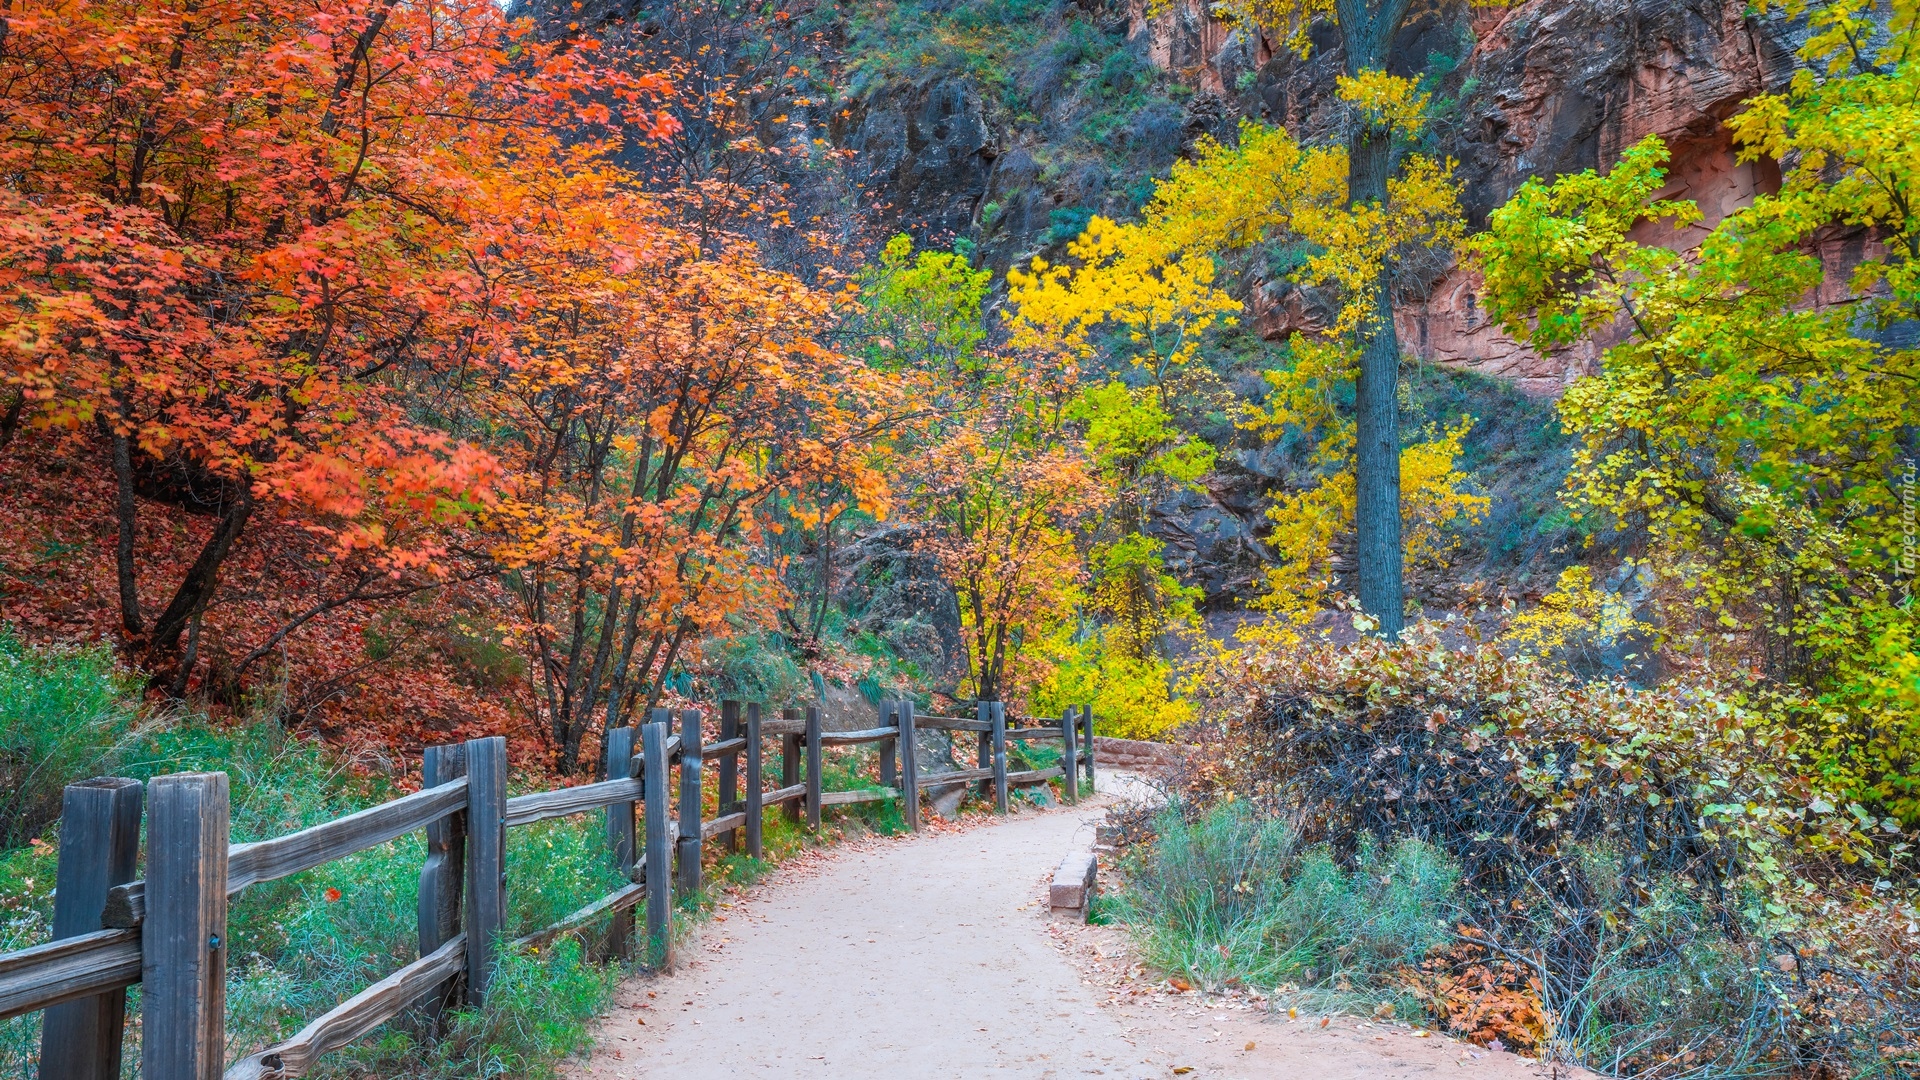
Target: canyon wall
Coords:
[[1542, 88]]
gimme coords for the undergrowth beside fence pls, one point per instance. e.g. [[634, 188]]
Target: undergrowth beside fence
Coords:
[[1649, 883], [302, 944], [1231, 898]]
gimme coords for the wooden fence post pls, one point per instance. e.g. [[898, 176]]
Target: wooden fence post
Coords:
[[99, 848], [889, 748], [813, 768], [790, 764], [1069, 764], [998, 716], [653, 742], [983, 757], [687, 870], [442, 880], [753, 779], [729, 779], [619, 754], [183, 944], [1086, 745], [486, 859], [909, 768]]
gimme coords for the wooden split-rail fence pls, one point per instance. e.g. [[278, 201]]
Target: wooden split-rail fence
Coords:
[[167, 931]]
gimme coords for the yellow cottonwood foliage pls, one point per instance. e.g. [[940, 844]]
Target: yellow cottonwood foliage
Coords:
[[1386, 101], [1572, 615], [1307, 524], [1163, 301], [1131, 695], [1155, 278], [1759, 439], [1154, 281]]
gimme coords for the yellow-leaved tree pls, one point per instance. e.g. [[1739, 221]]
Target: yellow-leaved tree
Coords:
[[1362, 209], [1154, 280], [1765, 444]]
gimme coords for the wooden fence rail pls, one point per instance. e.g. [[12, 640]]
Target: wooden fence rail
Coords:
[[168, 930]]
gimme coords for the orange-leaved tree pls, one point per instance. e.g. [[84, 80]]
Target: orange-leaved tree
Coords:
[[662, 412], [248, 250]]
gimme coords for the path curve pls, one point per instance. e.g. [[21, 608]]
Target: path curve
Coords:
[[932, 956]]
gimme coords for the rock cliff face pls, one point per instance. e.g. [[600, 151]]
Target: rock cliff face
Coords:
[[1539, 89], [924, 148]]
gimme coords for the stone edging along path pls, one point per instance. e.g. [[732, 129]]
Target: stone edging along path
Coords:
[[933, 956]]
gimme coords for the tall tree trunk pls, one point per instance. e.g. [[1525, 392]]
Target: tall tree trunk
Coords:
[[203, 577], [1366, 32], [126, 519]]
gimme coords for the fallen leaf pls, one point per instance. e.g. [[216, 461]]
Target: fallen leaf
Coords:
[[1249, 1046], [1323, 1021], [1182, 1070]]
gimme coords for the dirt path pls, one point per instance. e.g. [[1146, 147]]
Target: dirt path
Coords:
[[932, 956]]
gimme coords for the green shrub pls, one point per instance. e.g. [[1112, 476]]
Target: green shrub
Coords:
[[66, 713], [1651, 879], [539, 1011], [1231, 897], [757, 667], [1067, 222]]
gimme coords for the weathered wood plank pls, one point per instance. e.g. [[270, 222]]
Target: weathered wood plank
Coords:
[[443, 880], [283, 856], [727, 776], [864, 735], [723, 751], [183, 960], [1069, 767], [671, 749], [486, 859], [560, 802], [813, 768], [790, 723], [618, 901], [620, 836], [999, 736], [754, 803], [947, 779], [783, 795], [1033, 776], [354, 1017], [67, 969], [790, 760], [909, 766], [723, 824], [687, 848], [99, 848], [848, 798], [983, 757], [659, 850], [890, 749], [1086, 741], [1033, 733], [949, 723]]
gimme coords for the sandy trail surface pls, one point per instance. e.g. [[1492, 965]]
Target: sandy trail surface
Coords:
[[933, 956]]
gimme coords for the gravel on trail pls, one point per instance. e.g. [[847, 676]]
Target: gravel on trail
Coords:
[[933, 955]]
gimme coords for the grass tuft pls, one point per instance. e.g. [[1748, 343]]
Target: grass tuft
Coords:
[[1230, 898]]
